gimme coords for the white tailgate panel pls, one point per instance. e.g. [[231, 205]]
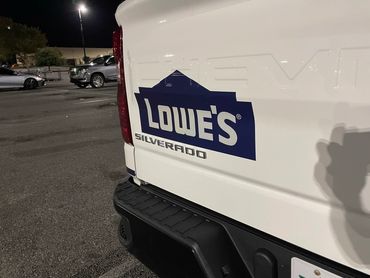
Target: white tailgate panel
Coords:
[[305, 67]]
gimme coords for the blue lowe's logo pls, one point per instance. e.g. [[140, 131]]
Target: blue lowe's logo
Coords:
[[179, 109]]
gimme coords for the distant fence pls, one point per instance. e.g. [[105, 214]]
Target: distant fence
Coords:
[[54, 74]]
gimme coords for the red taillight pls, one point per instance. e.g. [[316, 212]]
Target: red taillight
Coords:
[[121, 91]]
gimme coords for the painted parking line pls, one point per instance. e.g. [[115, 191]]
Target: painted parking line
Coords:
[[121, 269], [95, 100], [10, 123]]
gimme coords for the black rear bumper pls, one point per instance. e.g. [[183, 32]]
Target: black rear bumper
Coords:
[[179, 239]]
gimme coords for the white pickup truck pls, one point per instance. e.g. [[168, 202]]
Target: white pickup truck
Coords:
[[247, 137]]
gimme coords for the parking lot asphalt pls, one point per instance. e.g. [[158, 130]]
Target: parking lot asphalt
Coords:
[[61, 158]]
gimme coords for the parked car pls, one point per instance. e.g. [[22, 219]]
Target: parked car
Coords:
[[100, 70], [13, 79], [247, 137]]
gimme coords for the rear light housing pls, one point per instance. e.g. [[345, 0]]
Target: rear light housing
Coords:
[[121, 89]]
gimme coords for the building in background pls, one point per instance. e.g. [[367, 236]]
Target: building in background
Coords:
[[74, 55]]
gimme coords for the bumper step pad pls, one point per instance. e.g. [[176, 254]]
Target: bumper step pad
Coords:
[[188, 242], [176, 238]]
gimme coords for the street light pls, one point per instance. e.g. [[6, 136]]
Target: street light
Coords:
[[82, 9]]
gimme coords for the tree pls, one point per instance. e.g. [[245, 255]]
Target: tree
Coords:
[[49, 56], [6, 39], [19, 39]]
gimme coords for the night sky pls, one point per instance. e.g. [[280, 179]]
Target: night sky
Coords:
[[58, 19]]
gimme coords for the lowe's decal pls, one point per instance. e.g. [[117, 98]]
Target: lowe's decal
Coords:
[[180, 109]]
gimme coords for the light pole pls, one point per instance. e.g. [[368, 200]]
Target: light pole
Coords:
[[82, 9]]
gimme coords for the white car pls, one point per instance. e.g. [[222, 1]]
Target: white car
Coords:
[[13, 79], [247, 136]]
